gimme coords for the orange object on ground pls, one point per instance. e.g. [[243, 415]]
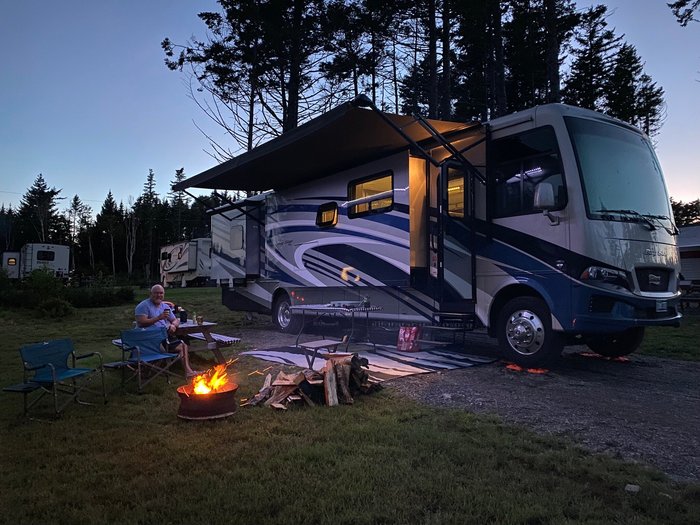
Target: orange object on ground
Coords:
[[518, 368]]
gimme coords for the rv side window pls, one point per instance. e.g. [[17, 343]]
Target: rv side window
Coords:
[[45, 255], [236, 237], [520, 162], [371, 195], [327, 215]]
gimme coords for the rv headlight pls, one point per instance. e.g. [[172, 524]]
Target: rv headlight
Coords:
[[600, 275]]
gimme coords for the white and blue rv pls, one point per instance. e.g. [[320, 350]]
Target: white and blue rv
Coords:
[[547, 227]]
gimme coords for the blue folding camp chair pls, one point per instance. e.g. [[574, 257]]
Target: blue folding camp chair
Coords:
[[143, 354], [47, 368]]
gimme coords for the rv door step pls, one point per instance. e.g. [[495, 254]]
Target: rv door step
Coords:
[[458, 320]]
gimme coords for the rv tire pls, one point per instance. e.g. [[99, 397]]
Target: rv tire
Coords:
[[617, 345], [525, 334], [282, 316]]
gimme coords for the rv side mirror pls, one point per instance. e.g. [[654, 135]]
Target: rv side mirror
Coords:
[[544, 200], [544, 196]]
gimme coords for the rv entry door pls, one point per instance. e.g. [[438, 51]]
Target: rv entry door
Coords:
[[453, 243]]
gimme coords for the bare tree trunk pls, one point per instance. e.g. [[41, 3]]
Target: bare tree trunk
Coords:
[[91, 253], [446, 91], [395, 74], [499, 63], [292, 117], [111, 242], [552, 51], [132, 223], [432, 62]]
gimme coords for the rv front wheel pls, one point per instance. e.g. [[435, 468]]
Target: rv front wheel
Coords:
[[617, 345], [525, 333], [282, 315]]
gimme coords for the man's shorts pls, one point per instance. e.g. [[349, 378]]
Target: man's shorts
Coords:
[[171, 345]]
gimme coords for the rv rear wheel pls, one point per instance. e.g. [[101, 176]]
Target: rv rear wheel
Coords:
[[617, 345], [525, 333], [282, 315]]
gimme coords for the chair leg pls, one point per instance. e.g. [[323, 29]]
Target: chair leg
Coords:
[[104, 387], [55, 399]]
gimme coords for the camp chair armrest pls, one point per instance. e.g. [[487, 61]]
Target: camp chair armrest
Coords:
[[91, 354], [38, 367]]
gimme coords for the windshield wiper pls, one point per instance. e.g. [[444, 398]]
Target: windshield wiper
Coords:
[[631, 213], [673, 230]]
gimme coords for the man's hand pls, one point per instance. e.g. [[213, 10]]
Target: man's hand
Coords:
[[172, 328], [163, 315]]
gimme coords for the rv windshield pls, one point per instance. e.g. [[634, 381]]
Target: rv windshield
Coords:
[[621, 176]]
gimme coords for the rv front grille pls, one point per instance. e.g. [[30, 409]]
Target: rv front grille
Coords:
[[653, 279]]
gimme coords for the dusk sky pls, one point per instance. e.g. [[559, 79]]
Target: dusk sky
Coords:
[[86, 100]]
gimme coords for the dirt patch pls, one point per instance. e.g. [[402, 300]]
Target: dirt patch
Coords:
[[645, 410]]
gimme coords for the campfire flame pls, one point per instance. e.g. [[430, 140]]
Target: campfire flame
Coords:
[[210, 381]]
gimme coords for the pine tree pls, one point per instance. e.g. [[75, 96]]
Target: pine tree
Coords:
[[621, 86], [108, 225], [38, 218], [592, 57], [684, 10], [649, 106]]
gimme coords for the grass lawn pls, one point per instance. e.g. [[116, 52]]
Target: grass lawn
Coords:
[[675, 343], [382, 460]]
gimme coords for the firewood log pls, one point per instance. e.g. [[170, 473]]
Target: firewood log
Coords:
[[330, 385], [342, 372]]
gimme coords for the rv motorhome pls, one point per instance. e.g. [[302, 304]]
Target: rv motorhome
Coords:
[[186, 263], [34, 256], [547, 227]]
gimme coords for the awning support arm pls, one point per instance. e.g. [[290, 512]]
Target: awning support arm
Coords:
[[450, 148], [363, 101]]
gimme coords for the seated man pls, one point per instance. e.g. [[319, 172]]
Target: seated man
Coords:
[[154, 312]]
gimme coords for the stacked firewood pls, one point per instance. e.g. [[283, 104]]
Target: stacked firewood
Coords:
[[342, 378]]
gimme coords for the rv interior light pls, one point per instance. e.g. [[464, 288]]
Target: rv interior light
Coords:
[[11, 261], [534, 171]]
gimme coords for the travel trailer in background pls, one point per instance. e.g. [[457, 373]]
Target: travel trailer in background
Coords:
[[34, 256], [186, 263], [547, 227]]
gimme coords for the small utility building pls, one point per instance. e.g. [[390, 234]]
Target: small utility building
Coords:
[[689, 246]]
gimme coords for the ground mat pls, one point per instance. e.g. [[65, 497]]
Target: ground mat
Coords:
[[385, 362]]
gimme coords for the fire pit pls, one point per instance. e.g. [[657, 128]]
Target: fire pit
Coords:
[[209, 396]]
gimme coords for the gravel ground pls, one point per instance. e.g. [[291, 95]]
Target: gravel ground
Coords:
[[645, 410]]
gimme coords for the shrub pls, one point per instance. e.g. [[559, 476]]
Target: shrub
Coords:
[[97, 297], [54, 308], [39, 286], [126, 294]]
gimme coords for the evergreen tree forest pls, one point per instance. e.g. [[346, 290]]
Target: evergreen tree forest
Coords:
[[120, 240], [263, 67]]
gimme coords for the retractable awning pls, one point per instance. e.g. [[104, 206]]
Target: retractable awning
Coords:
[[344, 137]]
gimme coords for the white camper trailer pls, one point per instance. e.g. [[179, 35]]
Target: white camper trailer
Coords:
[[34, 256], [546, 227], [186, 263]]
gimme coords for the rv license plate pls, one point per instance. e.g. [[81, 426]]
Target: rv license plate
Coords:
[[661, 306]]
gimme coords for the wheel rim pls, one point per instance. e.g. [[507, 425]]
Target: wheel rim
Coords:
[[284, 315], [525, 332]]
